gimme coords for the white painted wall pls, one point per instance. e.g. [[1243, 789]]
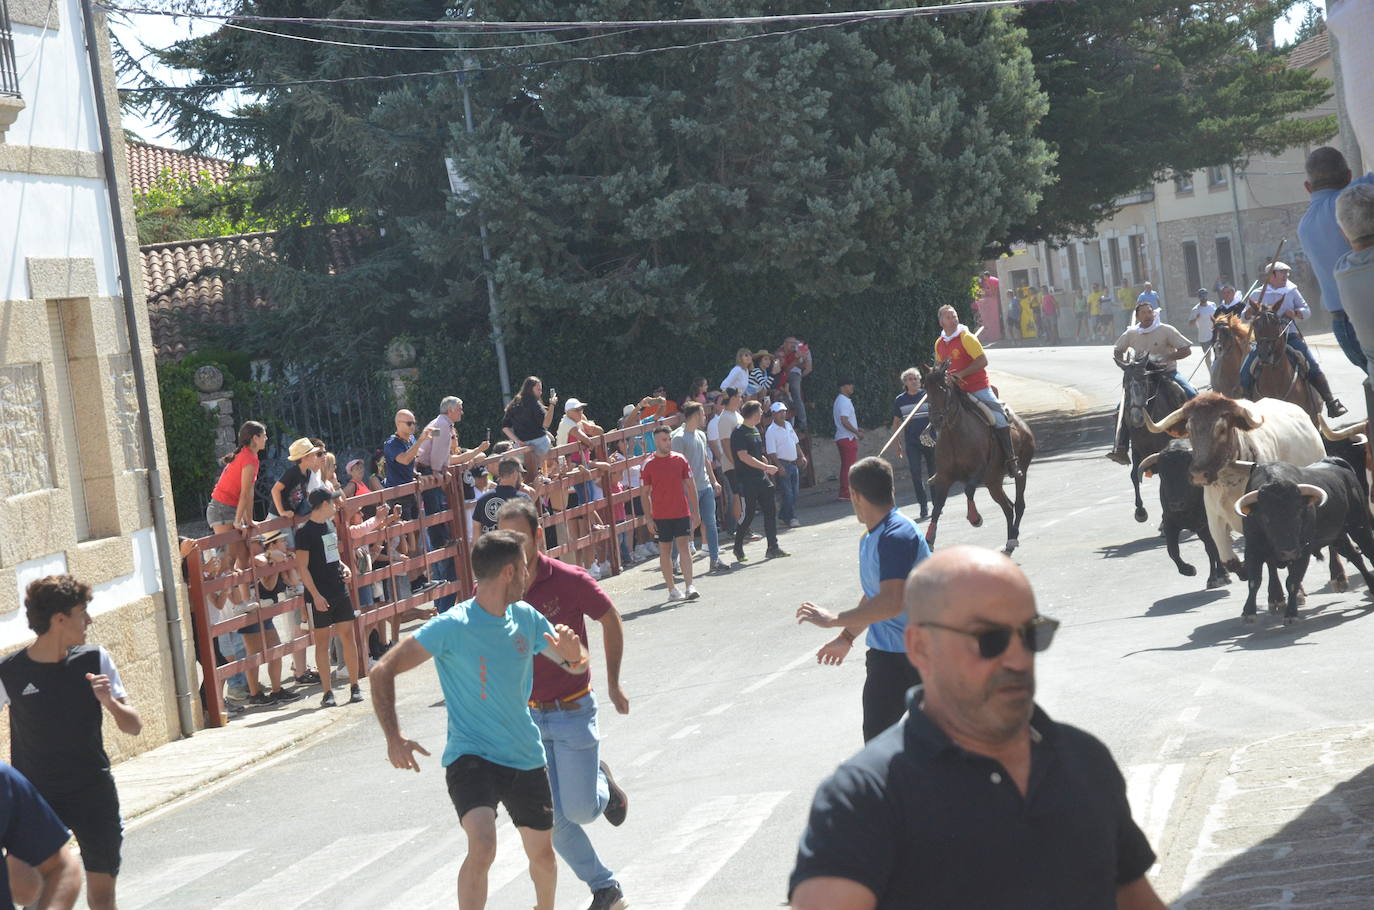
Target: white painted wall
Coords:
[[54, 217], [55, 81]]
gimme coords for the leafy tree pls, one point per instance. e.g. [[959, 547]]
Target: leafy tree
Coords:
[[1141, 89]]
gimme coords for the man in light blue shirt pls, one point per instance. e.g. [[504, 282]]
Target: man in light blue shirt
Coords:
[[484, 650], [1149, 295], [890, 548], [1324, 243]]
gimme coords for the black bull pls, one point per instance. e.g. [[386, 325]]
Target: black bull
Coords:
[[1181, 503], [1290, 512]]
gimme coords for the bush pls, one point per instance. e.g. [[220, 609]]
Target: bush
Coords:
[[190, 433]]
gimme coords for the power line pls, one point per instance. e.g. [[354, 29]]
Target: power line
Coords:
[[497, 26], [397, 47]]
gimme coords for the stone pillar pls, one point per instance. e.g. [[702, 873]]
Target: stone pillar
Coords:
[[220, 403], [400, 356]]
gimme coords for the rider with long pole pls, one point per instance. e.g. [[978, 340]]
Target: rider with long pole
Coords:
[[968, 366], [1152, 338], [1281, 296]]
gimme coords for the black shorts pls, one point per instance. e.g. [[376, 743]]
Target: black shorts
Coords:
[[670, 529], [474, 782], [337, 610], [407, 504], [637, 506], [93, 815], [730, 478]]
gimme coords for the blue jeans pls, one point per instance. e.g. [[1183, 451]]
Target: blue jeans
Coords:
[[436, 501], [1350, 344], [706, 505], [572, 746], [794, 381], [985, 395], [231, 645], [1295, 343], [789, 483]]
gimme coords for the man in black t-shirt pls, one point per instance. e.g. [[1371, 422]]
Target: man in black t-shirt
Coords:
[[978, 798], [508, 471], [57, 689], [753, 472], [326, 591]]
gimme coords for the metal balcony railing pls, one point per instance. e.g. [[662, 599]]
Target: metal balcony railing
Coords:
[[9, 73]]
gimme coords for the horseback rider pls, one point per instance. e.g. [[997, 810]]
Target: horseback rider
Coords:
[[968, 367], [1283, 297], [1162, 343], [1231, 304]]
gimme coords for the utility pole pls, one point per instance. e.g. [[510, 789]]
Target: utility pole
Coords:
[[457, 184]]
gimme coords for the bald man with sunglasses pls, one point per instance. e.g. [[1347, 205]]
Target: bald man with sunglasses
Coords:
[[978, 799]]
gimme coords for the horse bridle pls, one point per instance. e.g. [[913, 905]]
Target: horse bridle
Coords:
[[939, 419], [1264, 346]]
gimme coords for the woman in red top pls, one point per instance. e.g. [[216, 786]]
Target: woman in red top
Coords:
[[231, 504]]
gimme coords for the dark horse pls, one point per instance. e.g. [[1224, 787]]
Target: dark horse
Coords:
[[1276, 375], [1148, 390], [966, 450]]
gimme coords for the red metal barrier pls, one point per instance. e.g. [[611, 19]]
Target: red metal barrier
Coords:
[[597, 467]]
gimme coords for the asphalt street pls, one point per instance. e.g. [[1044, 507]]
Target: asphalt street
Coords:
[[733, 723]]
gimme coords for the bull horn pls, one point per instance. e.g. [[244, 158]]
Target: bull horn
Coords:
[[1246, 503], [1314, 494], [1147, 464], [1253, 419], [1244, 465], [1337, 435], [1166, 424]]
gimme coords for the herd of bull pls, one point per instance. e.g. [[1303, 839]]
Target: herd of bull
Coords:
[[1262, 468]]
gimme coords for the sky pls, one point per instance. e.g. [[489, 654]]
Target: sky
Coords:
[[162, 31]]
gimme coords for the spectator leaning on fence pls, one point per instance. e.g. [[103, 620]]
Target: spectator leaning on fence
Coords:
[[231, 503], [526, 421], [438, 452]]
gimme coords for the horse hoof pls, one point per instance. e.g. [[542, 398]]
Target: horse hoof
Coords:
[[1340, 585], [1276, 607], [1187, 570], [1218, 581], [1141, 515], [976, 522], [1249, 618], [1010, 546]]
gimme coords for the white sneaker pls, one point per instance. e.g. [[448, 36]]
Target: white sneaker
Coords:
[[794, 523], [674, 593], [692, 593], [648, 550], [594, 570]]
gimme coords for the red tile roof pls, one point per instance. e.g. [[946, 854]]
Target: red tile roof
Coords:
[[147, 163], [193, 284], [1311, 50]]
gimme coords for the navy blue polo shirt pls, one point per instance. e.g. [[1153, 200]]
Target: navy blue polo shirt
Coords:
[[29, 829], [922, 823]]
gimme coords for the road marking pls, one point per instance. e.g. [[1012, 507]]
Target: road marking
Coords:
[[1171, 744], [320, 871], [720, 709], [645, 758], [1188, 715], [440, 887], [1151, 789], [1078, 511], [1103, 502], [688, 857], [171, 875], [686, 731], [778, 674], [1051, 523]]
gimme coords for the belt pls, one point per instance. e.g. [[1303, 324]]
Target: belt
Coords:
[[562, 704]]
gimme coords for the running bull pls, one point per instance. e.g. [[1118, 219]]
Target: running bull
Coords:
[[1229, 438], [1290, 512], [1181, 504]]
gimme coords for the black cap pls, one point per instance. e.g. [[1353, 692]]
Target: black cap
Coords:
[[323, 494], [1202, 292]]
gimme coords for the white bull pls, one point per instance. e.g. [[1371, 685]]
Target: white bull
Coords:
[[1229, 437]]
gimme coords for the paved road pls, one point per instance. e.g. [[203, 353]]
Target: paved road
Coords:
[[733, 724]]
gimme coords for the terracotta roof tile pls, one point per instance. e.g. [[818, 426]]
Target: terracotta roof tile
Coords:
[[193, 283], [147, 163], [1311, 50]]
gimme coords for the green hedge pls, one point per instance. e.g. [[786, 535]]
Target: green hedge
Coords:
[[190, 432], [870, 338]]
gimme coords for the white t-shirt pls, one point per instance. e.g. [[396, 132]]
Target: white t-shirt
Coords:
[[1204, 313], [781, 441], [738, 379], [844, 407], [724, 423]]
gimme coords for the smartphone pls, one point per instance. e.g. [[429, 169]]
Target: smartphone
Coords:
[[488, 434], [553, 392]]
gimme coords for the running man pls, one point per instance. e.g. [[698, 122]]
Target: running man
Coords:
[[564, 707], [483, 651], [968, 366], [891, 546], [56, 689]]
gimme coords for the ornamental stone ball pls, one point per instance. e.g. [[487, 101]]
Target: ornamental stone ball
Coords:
[[209, 379]]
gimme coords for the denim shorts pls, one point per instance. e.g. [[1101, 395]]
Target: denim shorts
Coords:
[[217, 513], [540, 444]]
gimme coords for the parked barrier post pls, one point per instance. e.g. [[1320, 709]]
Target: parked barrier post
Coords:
[[214, 700]]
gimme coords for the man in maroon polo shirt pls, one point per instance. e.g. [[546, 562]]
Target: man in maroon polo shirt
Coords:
[[564, 708]]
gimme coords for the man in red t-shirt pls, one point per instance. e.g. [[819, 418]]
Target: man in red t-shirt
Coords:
[[968, 366], [564, 708], [671, 496]]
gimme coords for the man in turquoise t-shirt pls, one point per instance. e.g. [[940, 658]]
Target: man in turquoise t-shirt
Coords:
[[483, 650], [890, 548]]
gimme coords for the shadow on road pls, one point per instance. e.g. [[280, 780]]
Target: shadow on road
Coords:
[[1319, 859], [1182, 603], [1269, 631], [1130, 548], [1058, 432]]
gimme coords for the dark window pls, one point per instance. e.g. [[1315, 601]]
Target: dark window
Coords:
[[1225, 265], [1114, 254], [1074, 281], [1139, 267], [1216, 176], [9, 73], [1050, 255], [1183, 184], [1191, 267]]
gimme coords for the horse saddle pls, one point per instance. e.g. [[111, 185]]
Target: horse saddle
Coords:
[[1299, 362], [982, 410]]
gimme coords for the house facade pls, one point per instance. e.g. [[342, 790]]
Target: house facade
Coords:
[[81, 483]]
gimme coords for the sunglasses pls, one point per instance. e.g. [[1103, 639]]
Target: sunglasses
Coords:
[[407, 423], [1036, 635]]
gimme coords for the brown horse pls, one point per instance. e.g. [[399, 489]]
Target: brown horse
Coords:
[[1231, 342], [1275, 374], [966, 450]]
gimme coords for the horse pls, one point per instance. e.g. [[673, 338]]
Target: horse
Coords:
[[1230, 343], [966, 450], [1276, 376], [1149, 389]]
